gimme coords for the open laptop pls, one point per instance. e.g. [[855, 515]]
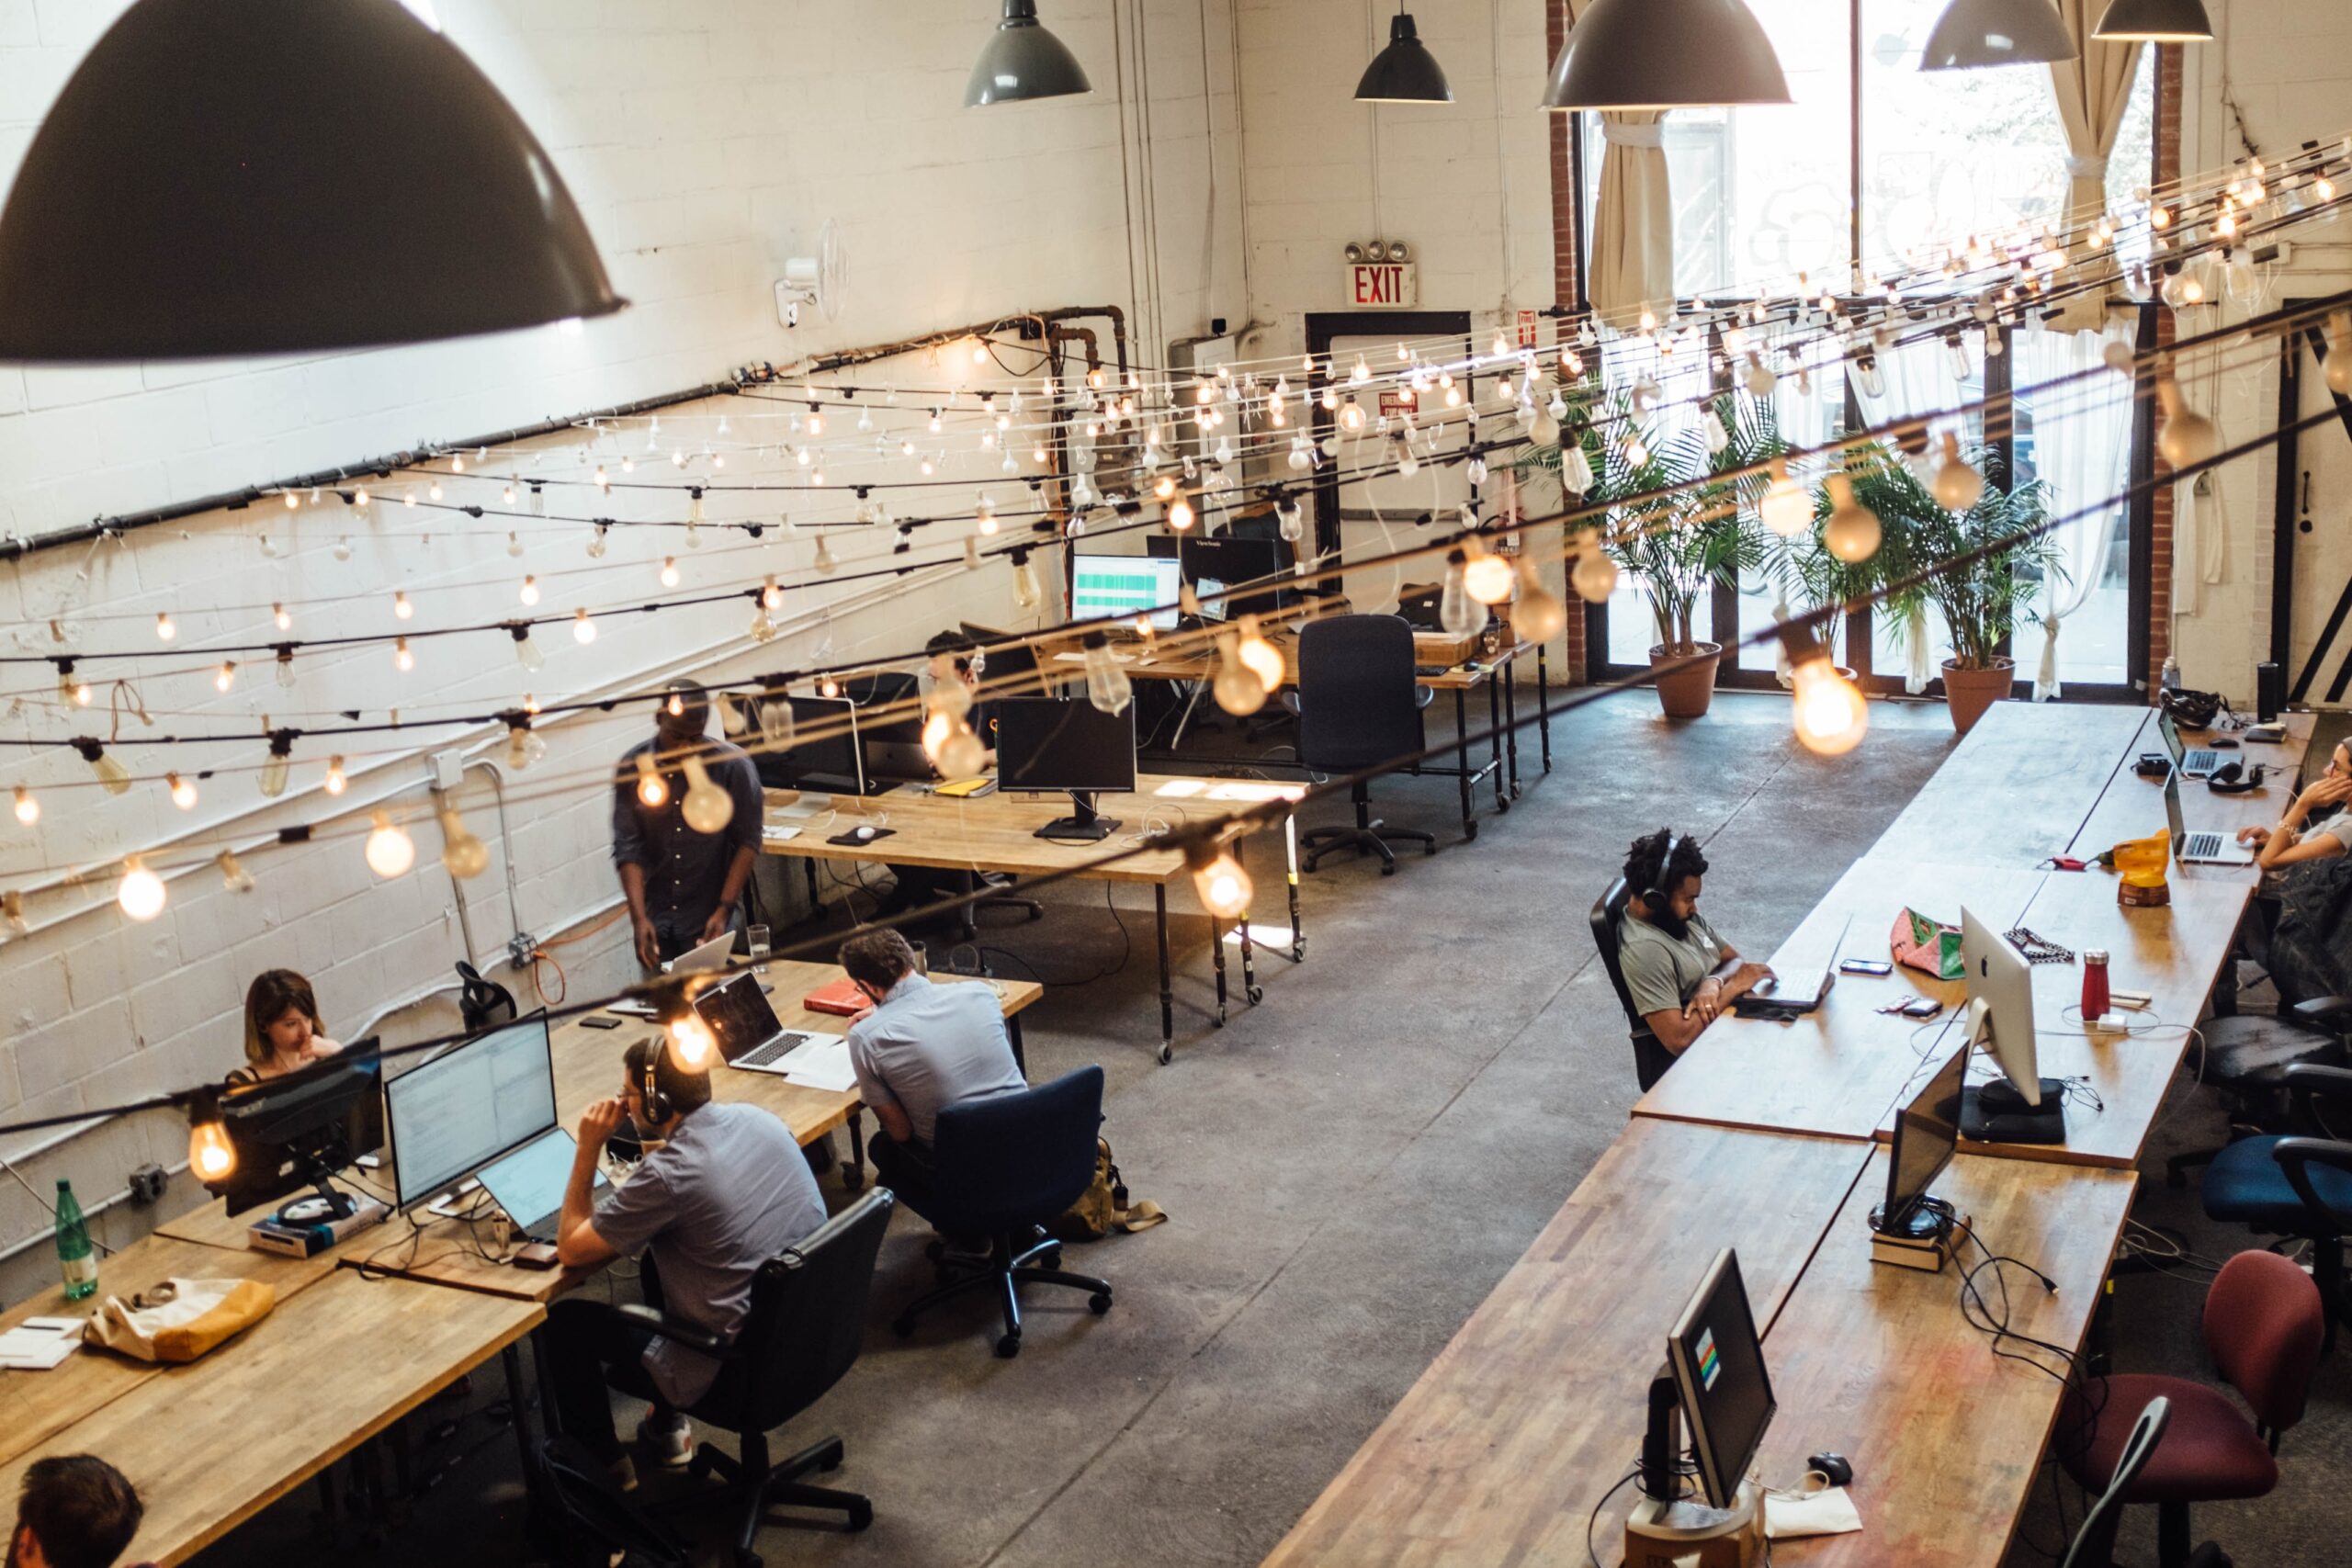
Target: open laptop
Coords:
[[1799, 991], [2197, 764], [712, 954], [528, 1183], [2201, 848], [739, 1018]]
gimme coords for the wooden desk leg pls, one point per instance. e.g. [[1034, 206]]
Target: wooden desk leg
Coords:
[[1462, 755], [1166, 992], [1495, 742], [1510, 722], [854, 1168], [1289, 873], [1216, 947], [1544, 702]]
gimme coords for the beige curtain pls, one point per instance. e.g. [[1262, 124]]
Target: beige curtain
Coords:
[[2092, 89], [1632, 220]]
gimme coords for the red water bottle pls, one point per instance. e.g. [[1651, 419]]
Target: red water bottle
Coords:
[[2095, 997]]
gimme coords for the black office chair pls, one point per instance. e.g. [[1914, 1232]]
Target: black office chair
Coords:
[[1358, 706], [2297, 1186], [482, 1002], [2246, 1056], [806, 1327], [2095, 1542], [1005, 1166], [1651, 1058]]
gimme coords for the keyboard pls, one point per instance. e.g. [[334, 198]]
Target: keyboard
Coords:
[[2201, 761], [2201, 846], [1431, 668], [783, 1045]]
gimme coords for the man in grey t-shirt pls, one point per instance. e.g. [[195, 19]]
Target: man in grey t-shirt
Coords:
[[1680, 975], [722, 1189]]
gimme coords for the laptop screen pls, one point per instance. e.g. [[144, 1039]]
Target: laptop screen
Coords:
[[2171, 732], [528, 1184], [739, 1015], [2172, 811]]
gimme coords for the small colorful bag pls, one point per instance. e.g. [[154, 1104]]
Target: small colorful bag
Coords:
[[1930, 946]]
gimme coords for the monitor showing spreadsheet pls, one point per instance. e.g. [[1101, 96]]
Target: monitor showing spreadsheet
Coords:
[[469, 1105], [1125, 586]]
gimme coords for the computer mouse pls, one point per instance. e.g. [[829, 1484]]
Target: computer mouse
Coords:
[[862, 833], [1835, 1467], [2222, 744]]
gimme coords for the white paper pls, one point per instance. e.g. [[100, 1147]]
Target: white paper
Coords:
[[29, 1349], [821, 1064], [1827, 1512]]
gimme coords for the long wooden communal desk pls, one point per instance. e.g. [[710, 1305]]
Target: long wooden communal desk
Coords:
[[2133, 808], [36, 1406], [1878, 1364], [1498, 1455], [1839, 1070], [997, 832], [210, 1445], [2019, 787]]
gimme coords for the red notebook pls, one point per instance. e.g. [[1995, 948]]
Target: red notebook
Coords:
[[841, 998]]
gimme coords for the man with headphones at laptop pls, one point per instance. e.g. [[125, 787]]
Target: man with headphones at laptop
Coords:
[[1680, 975], [722, 1189], [682, 885]]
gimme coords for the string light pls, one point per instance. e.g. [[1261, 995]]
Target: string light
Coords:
[[165, 630], [1958, 486], [182, 792], [282, 616], [670, 578], [211, 1157], [335, 783], [1263, 659], [1486, 578], [530, 593], [651, 791], [234, 875], [1786, 509], [70, 690], [402, 607], [390, 851], [1237, 687], [110, 772], [463, 854], [1831, 714], [524, 746], [402, 660], [1181, 515], [1853, 532], [141, 892], [280, 763], [1218, 877], [1457, 612], [226, 676], [28, 808], [1107, 686], [1539, 615], [690, 1046], [2188, 438], [1594, 577], [583, 630]]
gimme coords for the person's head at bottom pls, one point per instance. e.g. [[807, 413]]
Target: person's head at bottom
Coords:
[[1666, 873], [76, 1511], [676, 1093], [877, 961]]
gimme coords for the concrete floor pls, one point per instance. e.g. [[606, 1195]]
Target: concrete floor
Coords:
[[1350, 1167]]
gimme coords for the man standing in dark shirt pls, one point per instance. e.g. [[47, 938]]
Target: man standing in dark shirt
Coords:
[[682, 885]]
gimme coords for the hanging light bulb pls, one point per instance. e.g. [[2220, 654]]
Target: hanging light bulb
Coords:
[[1956, 355], [110, 772], [389, 849], [1831, 714], [1107, 686], [763, 630], [526, 650], [402, 608], [335, 783], [182, 792], [12, 913], [1576, 468], [1853, 532], [1027, 594], [463, 854], [70, 688], [707, 809], [530, 594], [596, 542], [140, 893], [1486, 578], [1262, 658], [1539, 616], [1869, 378], [776, 724], [165, 630], [692, 1049], [1351, 417], [278, 765], [285, 620], [1181, 515], [524, 746], [824, 562], [652, 792], [226, 676], [670, 578], [1786, 509], [1595, 575], [1290, 520], [1759, 378], [402, 660], [234, 875], [1711, 427], [983, 512], [1237, 687], [285, 662], [2188, 437], [1218, 877], [28, 808], [211, 1157], [583, 630], [1958, 486]]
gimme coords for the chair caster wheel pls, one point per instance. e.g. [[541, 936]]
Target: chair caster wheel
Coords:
[[747, 1560], [903, 1326], [1388, 868], [1051, 1260], [1503, 806], [1008, 1346], [1469, 831], [2177, 1180], [853, 1178], [698, 1467], [1036, 914], [1430, 848], [1167, 1055], [831, 1460], [861, 1515], [1257, 995], [934, 1249], [1100, 1302]]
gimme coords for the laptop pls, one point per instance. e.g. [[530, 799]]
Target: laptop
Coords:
[[1799, 991], [2197, 764], [749, 1036], [712, 954], [2201, 848], [529, 1182]]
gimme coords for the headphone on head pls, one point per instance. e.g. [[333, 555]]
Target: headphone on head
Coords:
[[1657, 898], [657, 1104]]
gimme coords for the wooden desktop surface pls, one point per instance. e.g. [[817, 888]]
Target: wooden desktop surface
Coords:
[[2018, 789], [1500, 1450], [1465, 668], [1877, 1363], [2133, 808], [999, 831], [35, 1406], [1839, 1070], [211, 1444]]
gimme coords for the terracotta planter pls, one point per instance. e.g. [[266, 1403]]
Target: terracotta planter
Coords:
[[1971, 691], [1685, 693]]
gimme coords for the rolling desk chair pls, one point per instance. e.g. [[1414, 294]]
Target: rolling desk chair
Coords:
[[2262, 1329], [1358, 706], [1651, 1058], [2296, 1186], [2246, 1056], [2095, 1542]]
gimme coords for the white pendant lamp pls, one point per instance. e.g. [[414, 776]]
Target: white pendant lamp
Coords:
[[1973, 34], [2156, 21], [191, 192], [1666, 54], [1022, 61]]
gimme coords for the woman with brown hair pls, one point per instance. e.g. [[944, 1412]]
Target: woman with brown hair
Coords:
[[283, 1031]]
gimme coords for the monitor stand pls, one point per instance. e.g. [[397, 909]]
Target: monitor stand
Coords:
[[1996, 1113], [1081, 826]]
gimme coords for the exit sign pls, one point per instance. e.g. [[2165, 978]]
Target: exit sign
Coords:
[[1383, 285]]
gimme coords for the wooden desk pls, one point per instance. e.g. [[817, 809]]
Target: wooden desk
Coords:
[[999, 832], [2042, 764], [1499, 1452], [35, 1406], [210, 1445], [2133, 808], [1877, 1363], [1838, 1071]]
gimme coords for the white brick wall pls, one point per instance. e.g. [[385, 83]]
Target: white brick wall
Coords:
[[706, 141]]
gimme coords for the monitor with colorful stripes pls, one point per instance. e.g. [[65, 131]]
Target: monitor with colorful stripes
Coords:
[[1125, 587]]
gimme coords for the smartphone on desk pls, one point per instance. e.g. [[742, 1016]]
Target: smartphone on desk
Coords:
[[1878, 967]]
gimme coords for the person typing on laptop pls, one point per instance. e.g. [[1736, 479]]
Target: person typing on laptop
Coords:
[[919, 1049], [682, 885], [722, 1189], [2296, 837], [1680, 975]]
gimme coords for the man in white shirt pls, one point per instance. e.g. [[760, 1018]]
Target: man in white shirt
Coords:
[[1680, 975]]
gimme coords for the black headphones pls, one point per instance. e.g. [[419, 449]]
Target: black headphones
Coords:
[[1657, 898], [657, 1104]]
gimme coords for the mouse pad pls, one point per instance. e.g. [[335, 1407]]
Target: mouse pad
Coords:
[[850, 840]]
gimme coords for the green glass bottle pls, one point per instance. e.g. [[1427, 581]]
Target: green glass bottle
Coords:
[[77, 1260]]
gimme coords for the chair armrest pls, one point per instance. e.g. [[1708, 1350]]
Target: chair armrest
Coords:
[[2331, 1013], [2296, 1156], [670, 1327], [2307, 1081]]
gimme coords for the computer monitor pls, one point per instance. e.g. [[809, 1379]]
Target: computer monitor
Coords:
[[891, 742], [1233, 559], [2023, 1106], [1067, 743], [1926, 1133], [1011, 663], [823, 754], [469, 1105], [1716, 1359], [1124, 587], [298, 1130]]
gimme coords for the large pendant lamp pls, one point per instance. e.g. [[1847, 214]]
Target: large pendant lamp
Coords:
[[1666, 54], [281, 177], [1022, 61], [1973, 34], [2156, 21], [1404, 73]]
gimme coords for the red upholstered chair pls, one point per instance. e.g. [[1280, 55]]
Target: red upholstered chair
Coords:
[[2263, 1326]]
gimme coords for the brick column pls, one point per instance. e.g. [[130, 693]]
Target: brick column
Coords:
[[1563, 273], [2168, 94]]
